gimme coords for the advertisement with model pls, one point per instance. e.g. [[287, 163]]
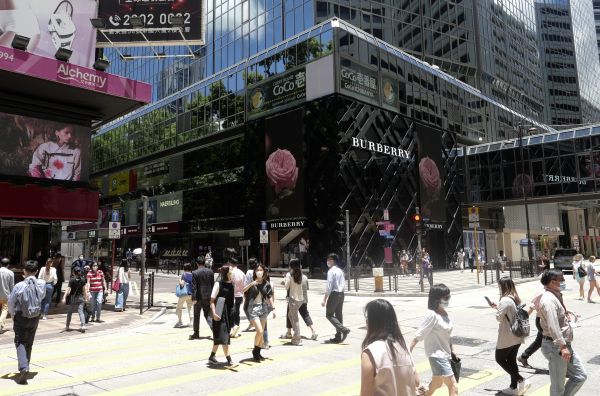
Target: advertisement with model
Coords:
[[164, 22], [50, 25], [43, 149]]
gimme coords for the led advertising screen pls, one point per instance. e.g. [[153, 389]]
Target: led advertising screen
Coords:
[[431, 175], [155, 15], [50, 25], [43, 149]]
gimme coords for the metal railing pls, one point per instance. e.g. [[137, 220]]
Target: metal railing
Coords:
[[520, 269]]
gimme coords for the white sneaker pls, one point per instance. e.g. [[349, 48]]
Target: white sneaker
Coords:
[[510, 391], [82, 329], [44, 317], [523, 387]]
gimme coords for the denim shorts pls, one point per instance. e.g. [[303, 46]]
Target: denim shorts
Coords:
[[440, 367]]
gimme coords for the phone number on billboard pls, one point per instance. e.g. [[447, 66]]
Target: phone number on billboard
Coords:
[[149, 19], [7, 56]]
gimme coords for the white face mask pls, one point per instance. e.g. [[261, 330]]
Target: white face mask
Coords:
[[444, 304], [563, 285], [259, 274], [80, 257]]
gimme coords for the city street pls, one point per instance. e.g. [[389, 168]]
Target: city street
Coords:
[[156, 358]]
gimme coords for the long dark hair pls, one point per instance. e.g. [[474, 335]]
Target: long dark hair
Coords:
[[382, 325], [507, 288], [296, 270], [264, 272], [436, 294]]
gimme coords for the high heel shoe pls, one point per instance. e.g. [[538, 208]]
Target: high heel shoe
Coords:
[[256, 354]]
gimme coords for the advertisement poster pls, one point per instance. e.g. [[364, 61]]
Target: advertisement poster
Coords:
[[155, 14], [43, 149], [118, 183], [284, 167], [431, 175], [50, 25], [277, 92], [360, 82]]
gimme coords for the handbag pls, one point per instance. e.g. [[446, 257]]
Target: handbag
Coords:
[[455, 364], [220, 306], [116, 285], [181, 291]]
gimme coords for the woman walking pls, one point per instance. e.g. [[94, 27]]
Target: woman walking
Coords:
[[591, 273], [78, 292], [123, 275], [185, 280], [260, 303], [294, 281], [579, 273], [387, 367], [507, 345], [222, 303], [303, 311], [48, 275], [435, 330]]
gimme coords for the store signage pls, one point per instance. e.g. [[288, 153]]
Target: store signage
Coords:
[[380, 148], [359, 80], [176, 253], [165, 228], [82, 76], [433, 226], [276, 225], [566, 179], [279, 91], [155, 15]]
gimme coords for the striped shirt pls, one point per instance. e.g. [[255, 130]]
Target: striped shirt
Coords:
[[95, 280]]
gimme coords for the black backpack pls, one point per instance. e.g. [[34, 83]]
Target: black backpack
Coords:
[[520, 326], [581, 272]]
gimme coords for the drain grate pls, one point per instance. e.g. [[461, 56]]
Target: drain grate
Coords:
[[466, 341], [595, 360]]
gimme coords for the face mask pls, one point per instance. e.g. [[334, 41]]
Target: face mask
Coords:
[[444, 304], [259, 274], [80, 257], [563, 285]]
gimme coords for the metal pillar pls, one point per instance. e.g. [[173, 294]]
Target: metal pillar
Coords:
[[143, 258]]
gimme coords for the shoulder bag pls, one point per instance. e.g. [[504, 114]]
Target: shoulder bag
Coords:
[[116, 285]]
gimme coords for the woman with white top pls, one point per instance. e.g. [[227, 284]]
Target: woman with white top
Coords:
[[435, 330], [294, 281], [507, 345], [578, 263], [48, 275], [387, 367], [123, 275], [591, 273]]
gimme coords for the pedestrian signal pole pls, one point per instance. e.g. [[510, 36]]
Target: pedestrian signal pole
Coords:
[[419, 227]]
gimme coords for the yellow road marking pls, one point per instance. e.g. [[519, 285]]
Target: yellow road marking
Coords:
[[476, 379], [194, 377], [543, 391]]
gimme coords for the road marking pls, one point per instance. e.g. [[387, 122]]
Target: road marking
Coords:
[[543, 391], [473, 380], [194, 377]]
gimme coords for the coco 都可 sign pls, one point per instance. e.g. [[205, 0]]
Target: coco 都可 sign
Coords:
[[276, 92]]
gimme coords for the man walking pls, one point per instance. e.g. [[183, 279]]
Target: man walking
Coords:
[[25, 306], [557, 338], [96, 285], [334, 298], [203, 280], [238, 278], [7, 283]]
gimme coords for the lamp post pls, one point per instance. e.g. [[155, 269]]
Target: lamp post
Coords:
[[520, 128]]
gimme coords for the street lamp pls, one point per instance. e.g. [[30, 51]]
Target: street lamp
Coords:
[[520, 128]]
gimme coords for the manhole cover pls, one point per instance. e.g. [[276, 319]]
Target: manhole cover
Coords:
[[595, 360], [465, 341]]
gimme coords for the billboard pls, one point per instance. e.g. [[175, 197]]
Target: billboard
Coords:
[[32, 147], [155, 14], [431, 175], [50, 25]]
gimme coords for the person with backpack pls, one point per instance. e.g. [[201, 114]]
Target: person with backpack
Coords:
[[77, 293], [80, 262], [511, 332], [7, 284], [579, 273], [25, 306]]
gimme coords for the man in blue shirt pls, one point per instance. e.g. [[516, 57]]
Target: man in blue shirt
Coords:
[[334, 298], [25, 327]]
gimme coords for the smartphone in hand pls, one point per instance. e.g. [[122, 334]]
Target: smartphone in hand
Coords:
[[491, 304]]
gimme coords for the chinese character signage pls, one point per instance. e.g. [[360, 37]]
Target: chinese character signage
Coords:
[[155, 15], [272, 94], [359, 81]]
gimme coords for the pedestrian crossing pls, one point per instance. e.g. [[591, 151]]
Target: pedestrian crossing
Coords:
[[158, 363]]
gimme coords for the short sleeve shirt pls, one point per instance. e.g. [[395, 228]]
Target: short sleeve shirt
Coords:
[[76, 285], [591, 271]]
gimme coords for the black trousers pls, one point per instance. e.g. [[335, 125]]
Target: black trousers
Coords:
[[303, 311], [333, 312], [57, 291], [205, 306], [236, 312], [25, 329], [537, 343], [507, 359]]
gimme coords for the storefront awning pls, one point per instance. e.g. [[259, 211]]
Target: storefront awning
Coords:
[[54, 88]]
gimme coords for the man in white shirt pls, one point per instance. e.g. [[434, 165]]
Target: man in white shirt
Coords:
[[334, 298], [238, 278], [7, 283]]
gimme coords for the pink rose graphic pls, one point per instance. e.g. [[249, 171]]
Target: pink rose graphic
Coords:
[[282, 171], [522, 181], [430, 176]]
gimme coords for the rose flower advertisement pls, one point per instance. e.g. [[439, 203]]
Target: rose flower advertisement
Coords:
[[43, 149], [284, 166], [431, 175]]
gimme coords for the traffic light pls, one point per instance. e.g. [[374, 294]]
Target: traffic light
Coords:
[[418, 220]]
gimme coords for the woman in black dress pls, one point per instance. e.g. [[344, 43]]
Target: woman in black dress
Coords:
[[222, 320]]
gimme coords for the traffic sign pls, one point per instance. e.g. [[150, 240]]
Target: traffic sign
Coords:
[[264, 236], [263, 225], [114, 230], [114, 216]]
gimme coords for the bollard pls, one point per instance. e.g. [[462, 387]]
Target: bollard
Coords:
[[378, 274]]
